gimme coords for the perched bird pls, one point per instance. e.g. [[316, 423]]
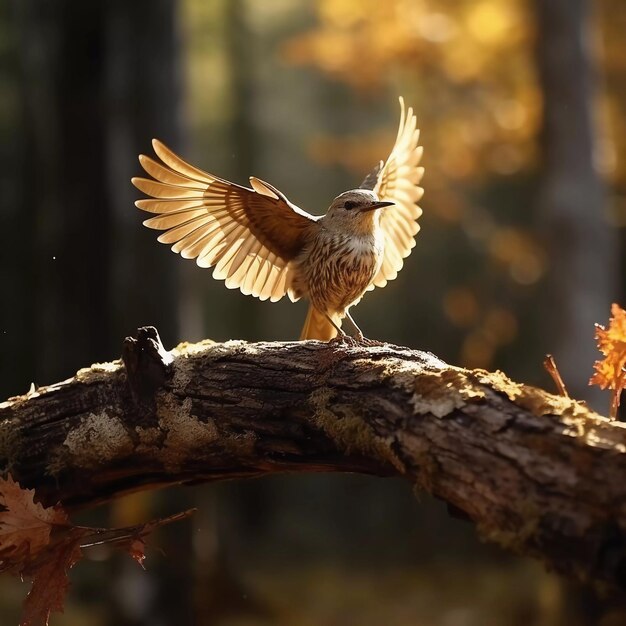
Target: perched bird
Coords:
[[261, 243]]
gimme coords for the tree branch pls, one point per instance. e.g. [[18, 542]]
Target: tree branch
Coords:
[[539, 474]]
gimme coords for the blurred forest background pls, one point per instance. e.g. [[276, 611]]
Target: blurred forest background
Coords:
[[522, 108]]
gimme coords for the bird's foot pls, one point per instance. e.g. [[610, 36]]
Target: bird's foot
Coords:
[[357, 340], [364, 341], [342, 339]]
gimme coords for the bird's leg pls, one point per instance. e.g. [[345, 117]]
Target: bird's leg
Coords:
[[341, 337], [358, 334], [340, 332]]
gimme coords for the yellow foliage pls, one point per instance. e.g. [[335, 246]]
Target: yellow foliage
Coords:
[[470, 62], [493, 23]]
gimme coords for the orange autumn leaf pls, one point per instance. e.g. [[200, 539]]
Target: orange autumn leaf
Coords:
[[24, 524], [610, 372], [137, 550], [40, 543]]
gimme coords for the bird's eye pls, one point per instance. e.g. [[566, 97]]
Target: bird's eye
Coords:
[[350, 204]]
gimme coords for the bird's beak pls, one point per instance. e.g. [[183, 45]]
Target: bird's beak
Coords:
[[376, 205]]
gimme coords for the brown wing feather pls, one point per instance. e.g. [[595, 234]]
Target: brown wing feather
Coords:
[[398, 182], [249, 235]]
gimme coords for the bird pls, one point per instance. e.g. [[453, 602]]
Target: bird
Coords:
[[258, 241]]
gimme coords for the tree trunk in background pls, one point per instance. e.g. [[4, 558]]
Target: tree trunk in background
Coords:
[[572, 198], [242, 136], [144, 93], [582, 279], [15, 222], [99, 80], [66, 233]]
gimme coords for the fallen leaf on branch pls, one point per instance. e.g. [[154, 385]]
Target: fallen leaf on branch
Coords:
[[611, 371]]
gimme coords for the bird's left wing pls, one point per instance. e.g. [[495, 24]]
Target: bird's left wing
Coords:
[[249, 235], [397, 181]]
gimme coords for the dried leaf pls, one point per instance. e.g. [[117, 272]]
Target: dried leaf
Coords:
[[50, 584], [610, 372], [25, 525], [137, 549], [40, 543]]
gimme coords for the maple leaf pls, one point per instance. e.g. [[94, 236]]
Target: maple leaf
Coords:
[[610, 372], [40, 543], [24, 525]]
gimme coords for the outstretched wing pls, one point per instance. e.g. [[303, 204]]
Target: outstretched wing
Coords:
[[369, 182], [397, 181], [249, 235]]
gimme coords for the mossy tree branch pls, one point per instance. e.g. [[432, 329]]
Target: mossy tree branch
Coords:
[[539, 474]]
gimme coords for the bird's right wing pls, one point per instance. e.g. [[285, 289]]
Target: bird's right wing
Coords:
[[249, 235], [397, 181]]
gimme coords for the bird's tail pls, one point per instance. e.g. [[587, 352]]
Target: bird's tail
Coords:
[[317, 326]]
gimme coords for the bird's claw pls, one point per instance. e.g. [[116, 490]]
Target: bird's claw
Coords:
[[357, 340], [364, 341], [344, 339]]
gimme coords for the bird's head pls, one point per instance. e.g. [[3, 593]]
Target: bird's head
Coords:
[[355, 211]]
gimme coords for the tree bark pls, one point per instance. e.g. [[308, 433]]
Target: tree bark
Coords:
[[537, 473]]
